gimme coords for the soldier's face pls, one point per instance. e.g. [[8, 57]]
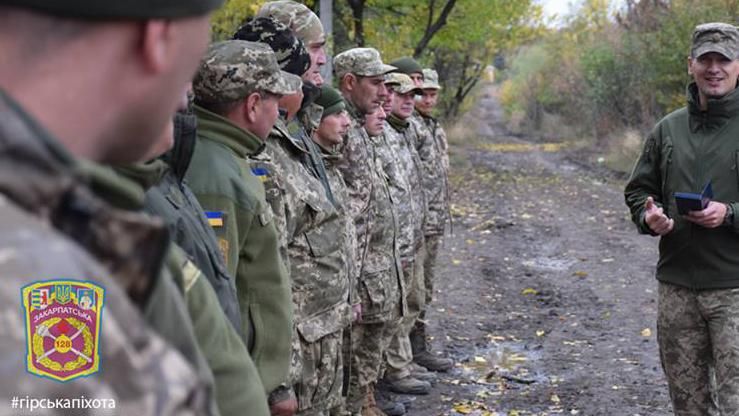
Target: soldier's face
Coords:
[[291, 103], [714, 74], [333, 128], [403, 105], [375, 121], [417, 78], [369, 93], [266, 112], [387, 105], [426, 102], [317, 52]]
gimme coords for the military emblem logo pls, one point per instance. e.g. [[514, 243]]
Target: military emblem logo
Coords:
[[63, 320]]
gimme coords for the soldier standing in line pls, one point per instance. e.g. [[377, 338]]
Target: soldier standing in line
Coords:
[[403, 163], [360, 72], [45, 134], [313, 237], [435, 185], [237, 91]]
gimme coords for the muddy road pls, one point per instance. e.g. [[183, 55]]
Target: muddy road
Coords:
[[546, 294]]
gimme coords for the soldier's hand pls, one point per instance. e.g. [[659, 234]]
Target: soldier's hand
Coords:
[[656, 219], [287, 407], [710, 217]]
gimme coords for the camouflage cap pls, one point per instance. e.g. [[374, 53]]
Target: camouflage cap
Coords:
[[331, 101], [401, 83], [722, 38], [430, 79], [233, 69], [290, 51], [298, 17], [407, 65], [364, 62], [113, 10]]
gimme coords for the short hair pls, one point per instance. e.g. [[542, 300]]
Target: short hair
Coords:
[[220, 108]]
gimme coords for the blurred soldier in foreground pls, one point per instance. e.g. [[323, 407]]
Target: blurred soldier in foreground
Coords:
[[237, 91], [46, 133], [360, 72]]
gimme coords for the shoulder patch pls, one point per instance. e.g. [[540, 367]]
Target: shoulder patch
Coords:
[[215, 218], [261, 173]]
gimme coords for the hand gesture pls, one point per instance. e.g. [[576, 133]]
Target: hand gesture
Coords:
[[656, 219], [711, 216]]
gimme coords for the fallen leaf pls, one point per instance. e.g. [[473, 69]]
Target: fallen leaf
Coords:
[[456, 262], [529, 291], [580, 274], [480, 360], [554, 398], [540, 333], [646, 332], [606, 260]]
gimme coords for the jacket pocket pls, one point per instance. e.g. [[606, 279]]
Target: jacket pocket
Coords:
[[665, 167]]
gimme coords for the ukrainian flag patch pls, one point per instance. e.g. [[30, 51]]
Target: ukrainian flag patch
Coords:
[[261, 173], [215, 218]]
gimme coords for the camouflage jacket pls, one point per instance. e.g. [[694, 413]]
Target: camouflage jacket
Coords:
[[313, 237], [236, 379], [404, 167], [301, 130], [432, 149], [44, 207], [370, 205], [222, 179]]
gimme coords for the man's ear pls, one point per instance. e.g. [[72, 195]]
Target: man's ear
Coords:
[[690, 64], [350, 81], [156, 44], [250, 107]]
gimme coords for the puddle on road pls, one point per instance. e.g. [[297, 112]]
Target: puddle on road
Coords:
[[550, 264]]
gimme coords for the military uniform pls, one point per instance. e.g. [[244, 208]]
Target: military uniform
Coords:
[[49, 209], [380, 281], [314, 241], [224, 182]]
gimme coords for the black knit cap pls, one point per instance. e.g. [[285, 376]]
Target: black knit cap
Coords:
[[331, 100], [118, 9], [407, 65], [291, 53]]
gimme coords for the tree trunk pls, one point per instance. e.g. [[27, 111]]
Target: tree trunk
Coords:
[[357, 7], [433, 26]]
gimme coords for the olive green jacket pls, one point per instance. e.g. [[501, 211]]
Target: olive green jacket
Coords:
[[221, 178], [237, 383], [687, 149]]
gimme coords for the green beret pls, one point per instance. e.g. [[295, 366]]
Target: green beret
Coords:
[[118, 9], [407, 65], [331, 101]]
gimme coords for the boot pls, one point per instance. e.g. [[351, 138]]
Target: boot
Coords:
[[389, 404], [422, 373], [407, 385], [421, 353]]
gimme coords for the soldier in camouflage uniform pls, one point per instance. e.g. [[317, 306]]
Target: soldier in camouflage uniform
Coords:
[[47, 204], [360, 73], [237, 91], [403, 162], [313, 236], [435, 184], [697, 271]]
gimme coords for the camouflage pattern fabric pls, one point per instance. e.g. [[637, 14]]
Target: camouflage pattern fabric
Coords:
[[41, 192], [365, 62], [289, 49], [233, 69], [432, 149], [313, 237], [697, 333], [430, 80], [722, 38], [432, 244], [298, 17]]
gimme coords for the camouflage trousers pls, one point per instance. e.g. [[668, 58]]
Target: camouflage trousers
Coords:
[[429, 264], [698, 335], [364, 346], [399, 353], [320, 386]]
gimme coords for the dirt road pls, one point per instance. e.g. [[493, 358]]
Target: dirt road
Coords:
[[546, 294]]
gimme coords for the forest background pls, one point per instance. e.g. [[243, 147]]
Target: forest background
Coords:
[[596, 77]]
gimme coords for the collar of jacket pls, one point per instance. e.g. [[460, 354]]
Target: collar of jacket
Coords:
[[718, 112], [353, 111], [120, 190], [397, 123], [330, 156], [281, 133], [145, 174], [185, 135], [52, 187], [222, 130]]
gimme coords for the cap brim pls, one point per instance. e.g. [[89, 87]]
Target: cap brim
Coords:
[[702, 50], [285, 83], [430, 86], [379, 70]]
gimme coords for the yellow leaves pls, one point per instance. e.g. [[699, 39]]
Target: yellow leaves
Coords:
[[523, 147], [554, 398], [646, 332], [480, 360], [456, 262], [473, 407], [529, 291], [580, 274], [540, 333]]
